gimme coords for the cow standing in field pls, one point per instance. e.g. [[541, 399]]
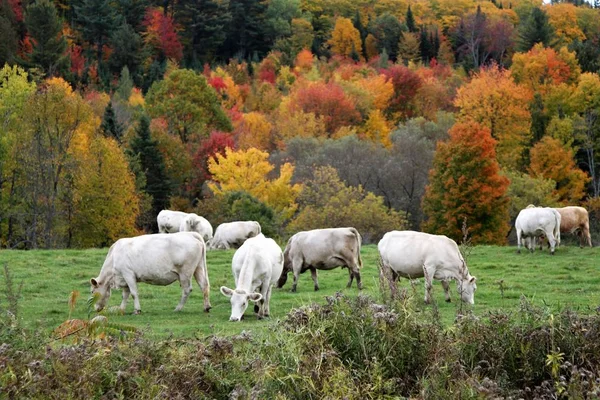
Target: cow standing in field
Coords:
[[178, 221], [576, 220], [233, 234], [256, 265], [323, 249], [413, 255], [159, 259], [534, 222]]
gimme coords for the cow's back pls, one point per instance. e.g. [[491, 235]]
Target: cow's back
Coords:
[[532, 220], [170, 221], [406, 252], [265, 251], [573, 217]]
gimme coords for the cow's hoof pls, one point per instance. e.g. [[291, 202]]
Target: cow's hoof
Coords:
[[316, 288], [207, 309], [256, 308], [137, 312], [259, 317], [518, 251]]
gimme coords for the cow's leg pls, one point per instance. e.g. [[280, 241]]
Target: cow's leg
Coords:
[[552, 241], [186, 288], [350, 277], [428, 274], [267, 299], [201, 275], [126, 293], [519, 233], [296, 268], [132, 284], [585, 232], [313, 273], [446, 286]]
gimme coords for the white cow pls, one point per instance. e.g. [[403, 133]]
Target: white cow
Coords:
[[413, 255], [159, 259], [322, 249], [256, 265], [233, 234], [178, 221], [532, 223]]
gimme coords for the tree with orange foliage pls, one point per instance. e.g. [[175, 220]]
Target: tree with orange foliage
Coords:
[[563, 18], [304, 61], [345, 38], [465, 183], [329, 101], [551, 160], [493, 100], [541, 67]]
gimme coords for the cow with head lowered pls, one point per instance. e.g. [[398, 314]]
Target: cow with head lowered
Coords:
[[576, 220], [158, 259], [256, 266], [413, 255], [323, 249], [231, 235], [178, 221]]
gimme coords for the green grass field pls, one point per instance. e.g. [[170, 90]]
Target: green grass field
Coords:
[[571, 278]]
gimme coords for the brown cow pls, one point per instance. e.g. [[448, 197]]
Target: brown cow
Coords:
[[576, 220]]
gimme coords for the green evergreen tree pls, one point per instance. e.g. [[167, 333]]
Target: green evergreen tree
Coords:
[[246, 30], [133, 12], [110, 126], [410, 21], [8, 34], [207, 23], [354, 54], [383, 60], [49, 45], [128, 51], [535, 29], [539, 119], [144, 150], [425, 45], [125, 85], [387, 29], [96, 19]]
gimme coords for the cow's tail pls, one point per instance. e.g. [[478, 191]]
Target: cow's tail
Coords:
[[358, 246], [201, 274], [556, 232]]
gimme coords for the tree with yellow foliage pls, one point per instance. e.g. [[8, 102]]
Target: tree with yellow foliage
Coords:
[[493, 100], [254, 131], [563, 18], [246, 171], [377, 129], [106, 204], [345, 39]]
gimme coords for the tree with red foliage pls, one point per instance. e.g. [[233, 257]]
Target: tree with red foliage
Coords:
[[162, 35], [465, 183], [327, 100], [216, 143], [406, 84]]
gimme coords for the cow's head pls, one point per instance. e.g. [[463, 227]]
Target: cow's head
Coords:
[[467, 288], [239, 301], [103, 290]]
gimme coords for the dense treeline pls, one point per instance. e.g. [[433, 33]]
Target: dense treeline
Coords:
[[298, 113]]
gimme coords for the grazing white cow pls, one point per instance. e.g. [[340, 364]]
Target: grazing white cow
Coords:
[[323, 249], [534, 222], [159, 259], [178, 221], [233, 234], [256, 265], [413, 255]]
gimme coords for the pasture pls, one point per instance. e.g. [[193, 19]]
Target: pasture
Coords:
[[571, 278]]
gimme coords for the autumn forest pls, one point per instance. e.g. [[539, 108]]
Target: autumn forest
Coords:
[[300, 114]]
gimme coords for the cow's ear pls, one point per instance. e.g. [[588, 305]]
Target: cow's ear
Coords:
[[473, 280], [94, 282], [255, 297], [226, 291]]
